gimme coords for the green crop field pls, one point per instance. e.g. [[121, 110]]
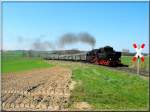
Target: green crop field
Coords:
[[16, 62]]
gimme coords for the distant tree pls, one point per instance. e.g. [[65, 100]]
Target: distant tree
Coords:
[[125, 50], [30, 53], [24, 54]]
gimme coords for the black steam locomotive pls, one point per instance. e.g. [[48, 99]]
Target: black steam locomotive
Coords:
[[104, 56]]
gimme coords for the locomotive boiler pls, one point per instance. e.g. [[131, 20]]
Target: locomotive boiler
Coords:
[[104, 56]]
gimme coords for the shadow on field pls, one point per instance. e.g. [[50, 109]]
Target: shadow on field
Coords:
[[122, 65]]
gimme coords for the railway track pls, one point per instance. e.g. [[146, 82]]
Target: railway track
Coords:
[[130, 70], [124, 68]]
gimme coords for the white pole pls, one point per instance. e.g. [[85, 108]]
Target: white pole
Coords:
[[138, 63], [138, 66]]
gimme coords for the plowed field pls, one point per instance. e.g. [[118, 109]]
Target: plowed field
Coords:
[[43, 89]]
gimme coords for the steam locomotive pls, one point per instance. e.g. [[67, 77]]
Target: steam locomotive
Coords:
[[102, 56]]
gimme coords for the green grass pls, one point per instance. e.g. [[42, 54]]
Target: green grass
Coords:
[[127, 60], [108, 89], [17, 63]]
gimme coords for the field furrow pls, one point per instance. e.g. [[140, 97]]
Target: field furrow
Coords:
[[46, 89]]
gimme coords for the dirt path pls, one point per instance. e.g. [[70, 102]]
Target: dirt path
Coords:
[[43, 89]]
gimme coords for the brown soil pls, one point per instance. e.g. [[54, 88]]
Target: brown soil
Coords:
[[43, 89], [82, 106]]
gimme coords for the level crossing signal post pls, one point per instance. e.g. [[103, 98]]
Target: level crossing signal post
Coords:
[[138, 55]]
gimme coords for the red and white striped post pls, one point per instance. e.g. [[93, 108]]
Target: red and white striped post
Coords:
[[138, 55]]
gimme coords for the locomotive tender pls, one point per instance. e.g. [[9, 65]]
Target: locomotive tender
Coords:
[[102, 56]]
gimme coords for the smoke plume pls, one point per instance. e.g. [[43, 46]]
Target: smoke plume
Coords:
[[42, 45], [87, 38], [66, 39], [71, 38]]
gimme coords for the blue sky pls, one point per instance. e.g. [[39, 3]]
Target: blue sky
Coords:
[[111, 23]]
